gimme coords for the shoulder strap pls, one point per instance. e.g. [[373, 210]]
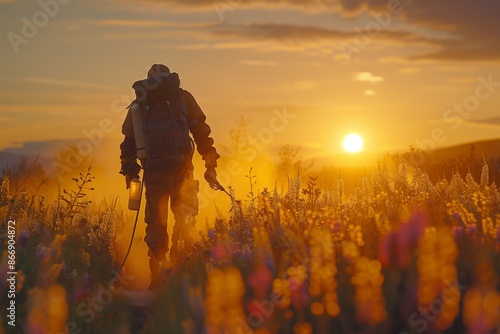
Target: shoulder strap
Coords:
[[185, 110], [190, 123], [183, 105]]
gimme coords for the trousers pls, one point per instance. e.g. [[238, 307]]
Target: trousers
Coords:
[[178, 187]]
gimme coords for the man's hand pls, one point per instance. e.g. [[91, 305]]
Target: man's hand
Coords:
[[131, 171], [211, 177]]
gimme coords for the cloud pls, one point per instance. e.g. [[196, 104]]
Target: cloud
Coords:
[[463, 80], [68, 83], [489, 121], [133, 23], [462, 30], [263, 37], [301, 85], [474, 26], [228, 5], [279, 32], [303, 37], [409, 70], [454, 69], [42, 147], [257, 63], [367, 77]]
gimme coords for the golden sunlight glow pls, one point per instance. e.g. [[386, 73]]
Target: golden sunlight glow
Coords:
[[353, 143]]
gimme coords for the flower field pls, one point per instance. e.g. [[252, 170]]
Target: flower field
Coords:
[[401, 254]]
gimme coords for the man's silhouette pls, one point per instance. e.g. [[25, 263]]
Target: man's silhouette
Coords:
[[169, 114]]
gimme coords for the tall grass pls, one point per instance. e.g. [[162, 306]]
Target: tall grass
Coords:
[[401, 254], [65, 255]]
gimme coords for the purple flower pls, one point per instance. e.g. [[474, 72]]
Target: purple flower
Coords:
[[396, 248], [457, 217], [260, 280], [336, 226], [417, 224], [64, 269], [211, 234], [221, 253], [457, 231], [42, 253], [22, 237], [385, 251], [246, 252], [269, 261], [472, 229]]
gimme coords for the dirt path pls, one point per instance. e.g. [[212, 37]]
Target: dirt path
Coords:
[[140, 302]]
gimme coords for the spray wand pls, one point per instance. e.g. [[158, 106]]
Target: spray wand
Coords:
[[221, 188], [218, 186]]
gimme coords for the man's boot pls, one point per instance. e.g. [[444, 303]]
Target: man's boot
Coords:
[[157, 262]]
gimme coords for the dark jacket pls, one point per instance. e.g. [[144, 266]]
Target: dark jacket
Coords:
[[168, 88]]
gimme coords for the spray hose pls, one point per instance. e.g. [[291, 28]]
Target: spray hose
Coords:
[[131, 238]]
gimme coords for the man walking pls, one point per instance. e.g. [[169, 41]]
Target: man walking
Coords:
[[156, 129]]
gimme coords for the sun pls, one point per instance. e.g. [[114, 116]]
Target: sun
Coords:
[[353, 143]]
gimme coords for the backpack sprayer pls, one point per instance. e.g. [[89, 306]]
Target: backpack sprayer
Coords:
[[134, 203], [136, 186]]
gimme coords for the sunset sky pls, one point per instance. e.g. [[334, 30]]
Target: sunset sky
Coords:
[[398, 73]]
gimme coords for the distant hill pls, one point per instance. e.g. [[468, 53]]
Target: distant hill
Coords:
[[447, 157], [465, 158], [43, 151], [490, 149], [46, 151], [8, 159]]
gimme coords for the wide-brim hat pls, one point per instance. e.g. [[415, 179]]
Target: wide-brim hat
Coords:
[[158, 70]]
